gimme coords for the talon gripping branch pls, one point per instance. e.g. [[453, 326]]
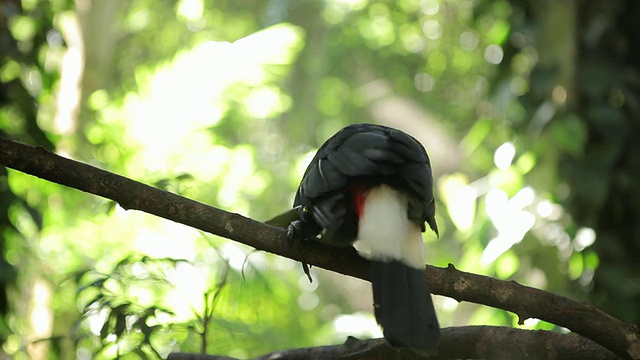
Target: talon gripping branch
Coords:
[[373, 184]]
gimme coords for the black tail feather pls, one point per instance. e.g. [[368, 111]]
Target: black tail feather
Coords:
[[403, 306]]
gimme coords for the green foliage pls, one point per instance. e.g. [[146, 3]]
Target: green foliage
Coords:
[[604, 175], [224, 102], [130, 307], [120, 301]]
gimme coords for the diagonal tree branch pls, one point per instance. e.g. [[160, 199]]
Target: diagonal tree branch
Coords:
[[623, 339]]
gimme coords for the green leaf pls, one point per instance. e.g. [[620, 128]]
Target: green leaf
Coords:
[[120, 326], [570, 134]]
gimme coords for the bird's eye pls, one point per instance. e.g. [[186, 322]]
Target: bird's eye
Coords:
[[305, 209]]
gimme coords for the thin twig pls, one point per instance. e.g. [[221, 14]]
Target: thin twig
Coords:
[[623, 339]]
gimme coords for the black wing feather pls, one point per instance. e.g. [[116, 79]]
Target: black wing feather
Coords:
[[369, 155], [352, 163], [372, 154]]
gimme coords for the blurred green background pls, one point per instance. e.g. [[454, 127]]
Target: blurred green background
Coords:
[[529, 111]]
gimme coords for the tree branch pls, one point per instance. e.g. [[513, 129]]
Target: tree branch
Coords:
[[622, 339], [467, 342]]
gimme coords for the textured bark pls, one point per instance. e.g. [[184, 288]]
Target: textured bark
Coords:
[[622, 339], [469, 342]]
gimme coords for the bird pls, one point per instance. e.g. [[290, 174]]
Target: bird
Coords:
[[372, 186]]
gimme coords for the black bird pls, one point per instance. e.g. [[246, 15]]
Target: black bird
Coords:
[[373, 184]]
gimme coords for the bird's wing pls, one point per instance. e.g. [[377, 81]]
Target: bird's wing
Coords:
[[373, 152], [284, 219]]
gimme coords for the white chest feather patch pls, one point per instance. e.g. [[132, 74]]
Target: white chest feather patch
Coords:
[[385, 232]]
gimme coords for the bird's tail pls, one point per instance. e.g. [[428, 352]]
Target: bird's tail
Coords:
[[403, 306]]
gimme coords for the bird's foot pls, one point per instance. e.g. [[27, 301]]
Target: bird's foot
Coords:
[[298, 230], [301, 231]]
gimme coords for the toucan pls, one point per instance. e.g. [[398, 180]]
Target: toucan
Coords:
[[372, 185]]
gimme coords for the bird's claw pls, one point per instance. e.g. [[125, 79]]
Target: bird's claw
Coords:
[[298, 229], [294, 230]]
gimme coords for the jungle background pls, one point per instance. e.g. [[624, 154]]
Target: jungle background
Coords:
[[529, 110]]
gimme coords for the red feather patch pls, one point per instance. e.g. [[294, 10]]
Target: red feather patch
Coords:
[[359, 195]]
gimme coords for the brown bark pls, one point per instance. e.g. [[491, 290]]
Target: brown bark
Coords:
[[622, 339], [469, 342]]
